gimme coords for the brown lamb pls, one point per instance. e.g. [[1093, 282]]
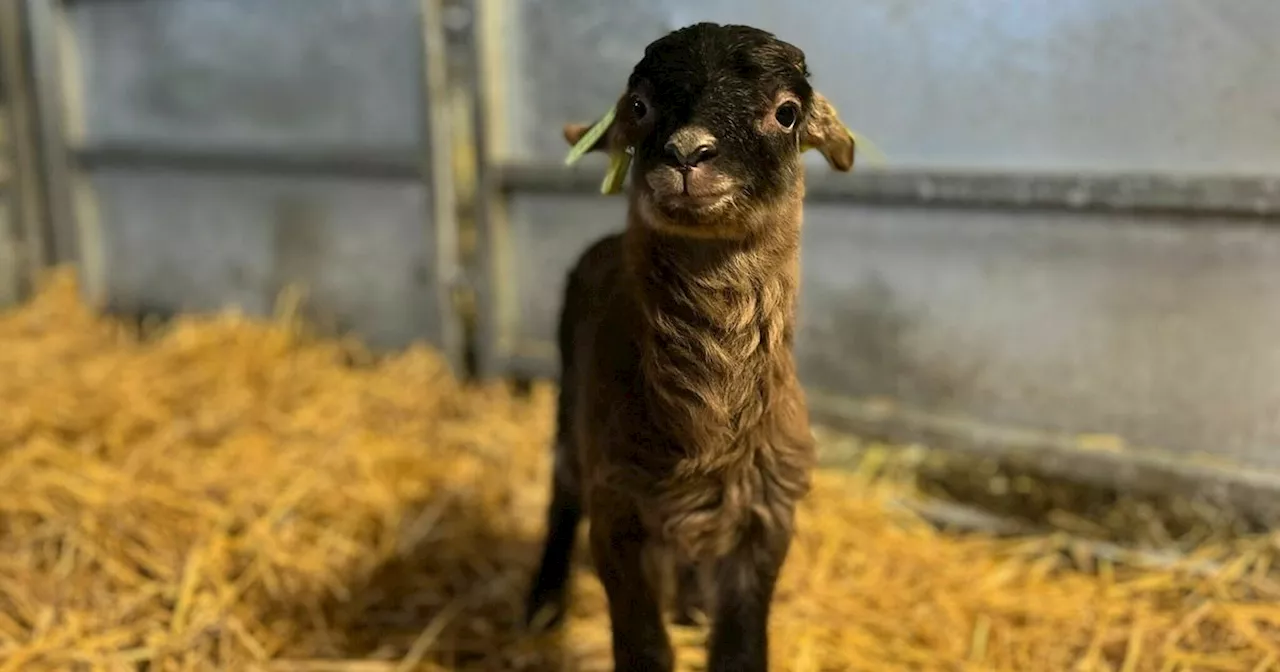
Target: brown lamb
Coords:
[[680, 423]]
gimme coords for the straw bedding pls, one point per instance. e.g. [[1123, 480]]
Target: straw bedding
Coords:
[[231, 494]]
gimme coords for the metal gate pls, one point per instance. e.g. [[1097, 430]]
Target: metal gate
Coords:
[[203, 154], [1063, 244]]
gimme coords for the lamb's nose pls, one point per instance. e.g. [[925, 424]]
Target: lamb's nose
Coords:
[[690, 146], [693, 157]]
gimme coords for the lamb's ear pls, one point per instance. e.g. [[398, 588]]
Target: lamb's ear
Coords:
[[825, 132], [600, 136]]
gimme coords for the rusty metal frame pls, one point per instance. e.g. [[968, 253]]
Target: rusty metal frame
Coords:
[[1104, 193], [61, 235], [436, 169], [492, 342], [377, 165], [27, 234]]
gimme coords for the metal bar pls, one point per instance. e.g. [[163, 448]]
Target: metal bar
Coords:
[[23, 191], [968, 519], [438, 169], [1192, 195], [487, 261], [1249, 491], [391, 164], [61, 234]]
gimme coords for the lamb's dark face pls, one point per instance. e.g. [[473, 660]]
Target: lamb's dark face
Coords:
[[716, 118]]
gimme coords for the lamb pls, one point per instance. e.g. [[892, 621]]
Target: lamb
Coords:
[[681, 425]]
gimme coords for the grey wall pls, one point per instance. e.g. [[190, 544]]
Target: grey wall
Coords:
[[1164, 333], [1164, 329], [279, 74], [1168, 85], [202, 243], [340, 79]]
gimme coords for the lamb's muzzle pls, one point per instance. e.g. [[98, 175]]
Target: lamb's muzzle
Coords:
[[681, 424]]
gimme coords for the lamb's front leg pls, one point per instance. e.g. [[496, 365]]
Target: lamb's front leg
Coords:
[[744, 585], [640, 641]]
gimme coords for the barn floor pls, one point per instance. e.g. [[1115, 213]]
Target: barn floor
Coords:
[[229, 494]]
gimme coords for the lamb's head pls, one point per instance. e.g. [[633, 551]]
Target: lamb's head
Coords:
[[713, 121]]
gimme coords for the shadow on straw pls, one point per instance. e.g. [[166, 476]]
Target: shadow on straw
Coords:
[[453, 599]]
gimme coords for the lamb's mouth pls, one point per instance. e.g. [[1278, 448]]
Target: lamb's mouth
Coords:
[[693, 204], [683, 194]]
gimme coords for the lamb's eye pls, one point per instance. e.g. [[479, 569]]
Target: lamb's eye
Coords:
[[638, 108], [787, 115]]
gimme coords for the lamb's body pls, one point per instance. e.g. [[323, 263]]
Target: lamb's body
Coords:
[[680, 421], [679, 397]]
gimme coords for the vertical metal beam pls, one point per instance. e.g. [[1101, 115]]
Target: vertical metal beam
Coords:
[[487, 263], [438, 171], [26, 232], [42, 18]]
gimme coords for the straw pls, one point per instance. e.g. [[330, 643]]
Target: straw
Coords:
[[240, 495]]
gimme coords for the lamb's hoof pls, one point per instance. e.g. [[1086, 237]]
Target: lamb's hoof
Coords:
[[545, 611], [690, 609], [689, 616]]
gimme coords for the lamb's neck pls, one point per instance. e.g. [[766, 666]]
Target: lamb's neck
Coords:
[[718, 331]]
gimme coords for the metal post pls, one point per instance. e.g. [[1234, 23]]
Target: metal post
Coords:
[[1250, 197], [23, 236], [439, 173], [49, 114], [485, 264], [25, 193]]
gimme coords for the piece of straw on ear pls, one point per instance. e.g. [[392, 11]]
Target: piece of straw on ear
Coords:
[[619, 163], [589, 139], [619, 160]]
